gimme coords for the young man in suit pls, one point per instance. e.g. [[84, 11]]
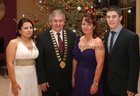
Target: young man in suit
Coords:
[[122, 57], [54, 64]]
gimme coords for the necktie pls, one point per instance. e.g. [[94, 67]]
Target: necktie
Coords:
[[60, 42], [111, 40]]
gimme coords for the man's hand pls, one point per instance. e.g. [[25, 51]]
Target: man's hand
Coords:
[[44, 86], [130, 93]]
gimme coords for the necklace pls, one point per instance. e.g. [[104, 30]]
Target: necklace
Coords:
[[27, 44], [61, 60]]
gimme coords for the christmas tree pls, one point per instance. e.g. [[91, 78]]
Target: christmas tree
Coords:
[[73, 10]]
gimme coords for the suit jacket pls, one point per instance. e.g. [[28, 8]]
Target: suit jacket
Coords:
[[48, 69], [122, 63]]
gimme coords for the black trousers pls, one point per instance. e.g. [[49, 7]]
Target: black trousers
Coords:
[[107, 92]]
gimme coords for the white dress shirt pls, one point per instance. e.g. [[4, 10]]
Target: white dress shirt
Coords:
[[56, 36]]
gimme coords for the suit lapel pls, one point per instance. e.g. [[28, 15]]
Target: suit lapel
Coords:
[[48, 35], [106, 42], [68, 41], [118, 42]]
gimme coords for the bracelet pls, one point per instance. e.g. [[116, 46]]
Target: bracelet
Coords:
[[95, 83]]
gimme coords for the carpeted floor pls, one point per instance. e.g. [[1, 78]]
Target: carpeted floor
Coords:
[[4, 82]]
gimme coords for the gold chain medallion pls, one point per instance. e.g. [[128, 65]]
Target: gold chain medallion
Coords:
[[62, 63]]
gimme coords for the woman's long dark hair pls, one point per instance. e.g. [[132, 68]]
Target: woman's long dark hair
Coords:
[[90, 18], [20, 24]]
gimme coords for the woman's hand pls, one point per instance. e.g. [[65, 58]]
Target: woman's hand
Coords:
[[73, 82], [15, 89], [93, 89]]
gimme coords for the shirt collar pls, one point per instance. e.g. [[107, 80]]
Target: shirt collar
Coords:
[[118, 29], [55, 33]]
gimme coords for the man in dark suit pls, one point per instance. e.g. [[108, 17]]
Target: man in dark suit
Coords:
[[54, 64], [122, 57]]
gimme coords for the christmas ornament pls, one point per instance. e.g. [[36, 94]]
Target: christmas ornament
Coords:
[[79, 8], [94, 10], [129, 11], [74, 30], [40, 1], [91, 7], [36, 20], [67, 7], [23, 15], [86, 9]]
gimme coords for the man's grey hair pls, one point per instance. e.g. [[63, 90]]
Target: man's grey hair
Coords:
[[56, 13]]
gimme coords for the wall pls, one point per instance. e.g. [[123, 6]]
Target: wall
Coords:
[[138, 19], [7, 24], [31, 10], [14, 11], [27, 7]]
